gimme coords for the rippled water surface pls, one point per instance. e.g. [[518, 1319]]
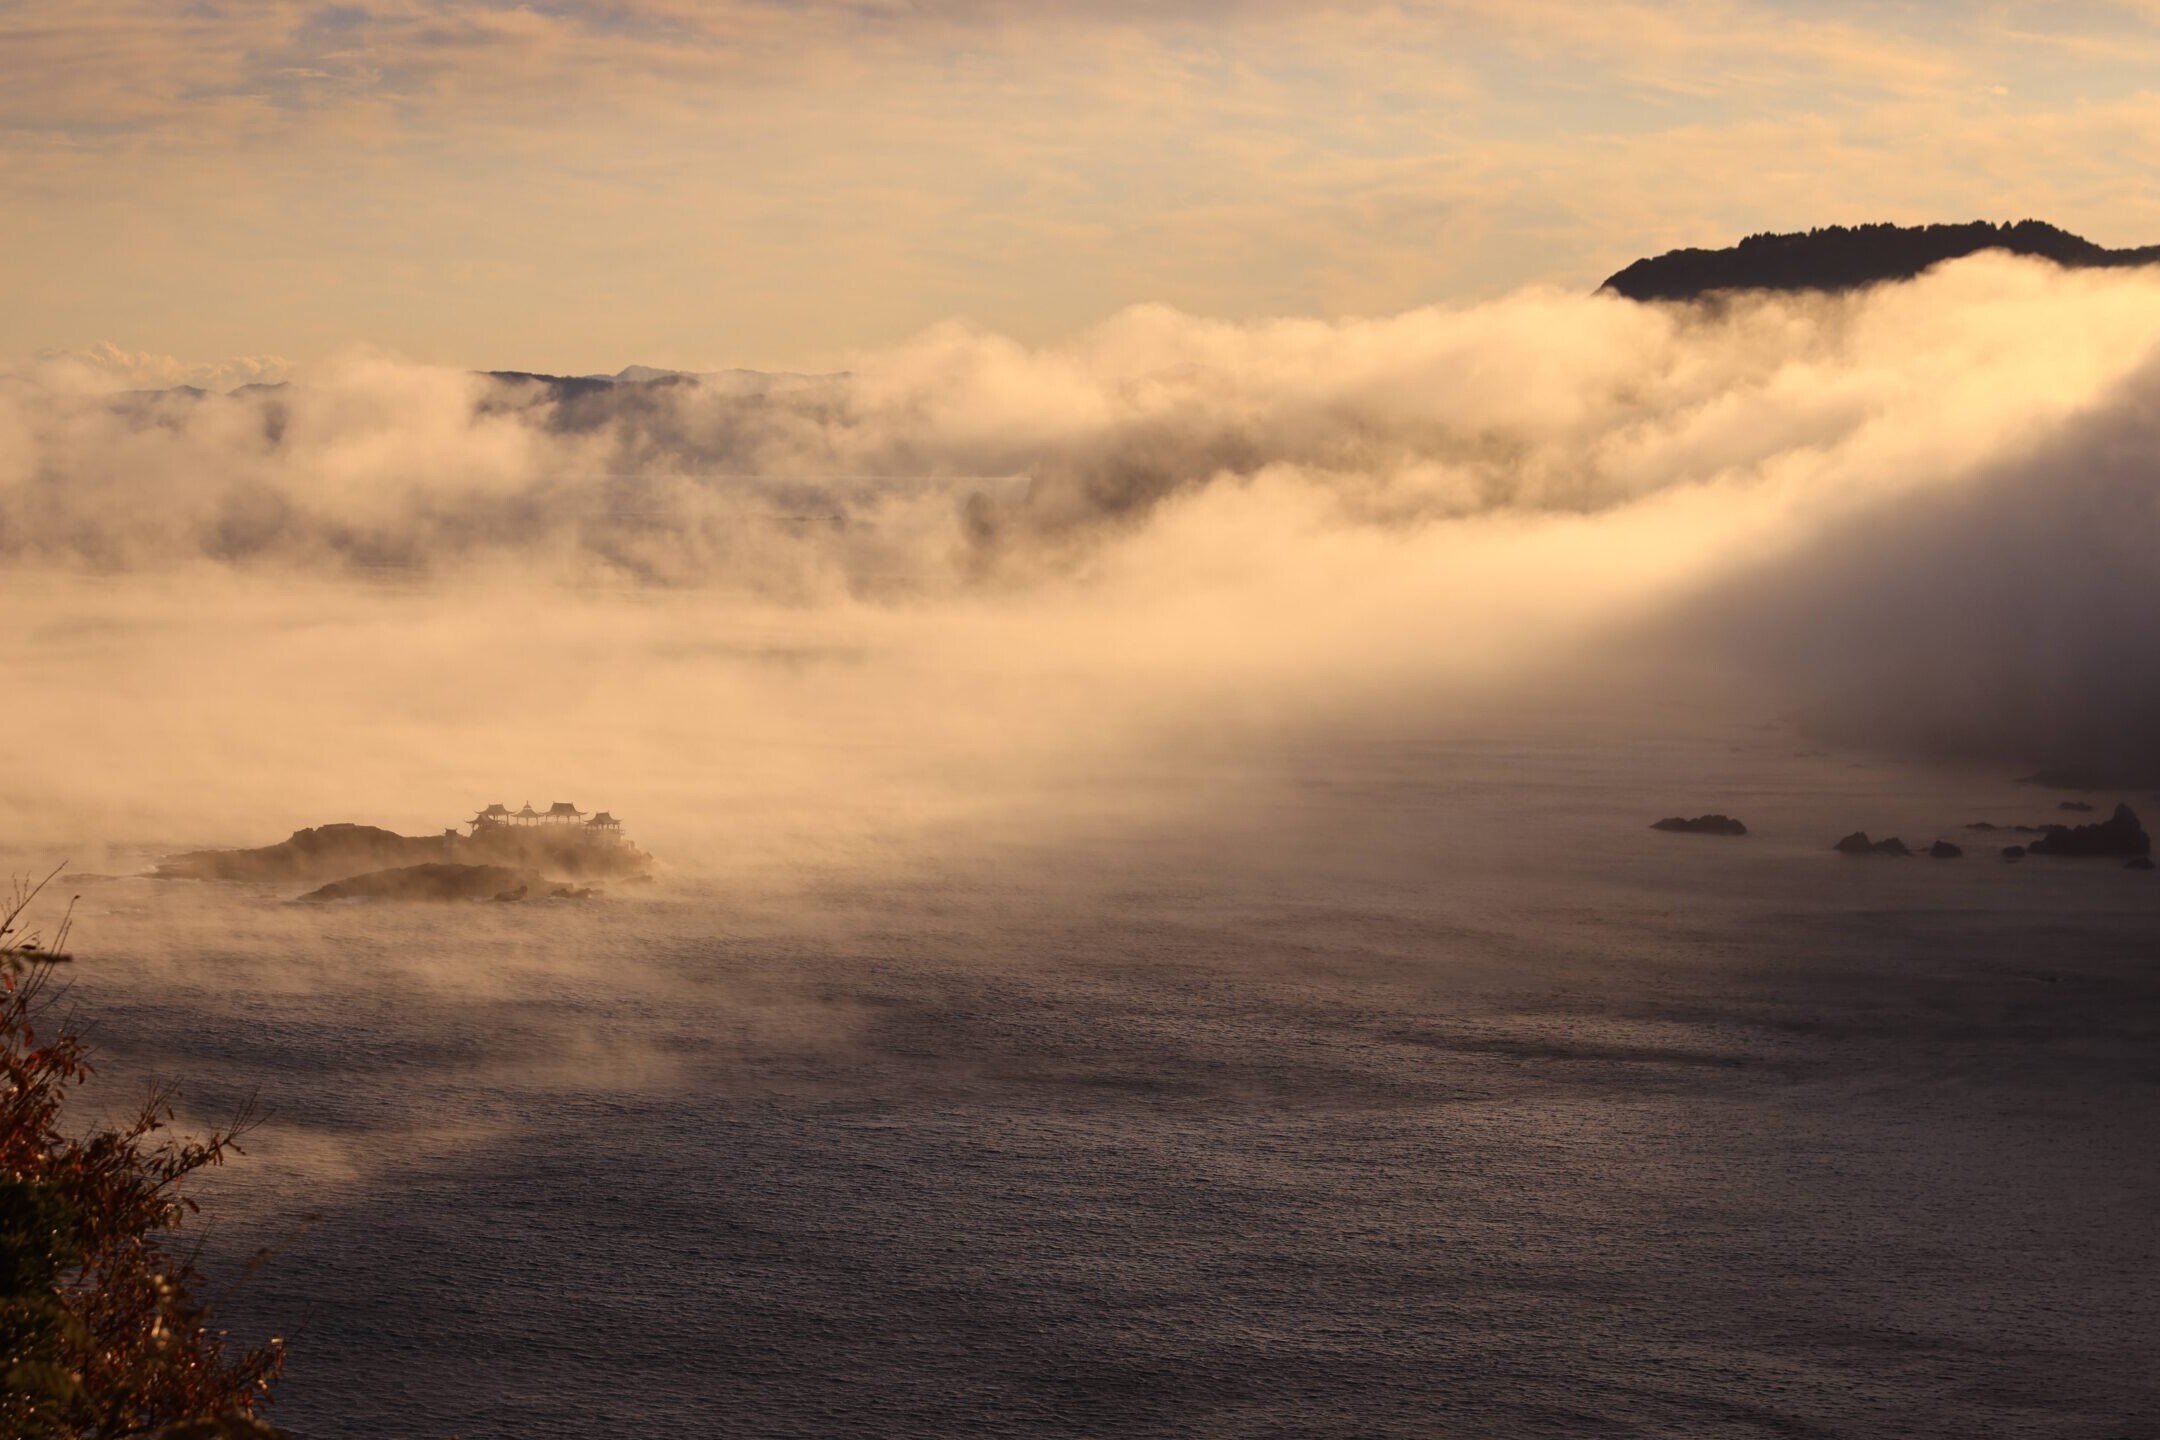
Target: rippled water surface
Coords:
[[1397, 1088]]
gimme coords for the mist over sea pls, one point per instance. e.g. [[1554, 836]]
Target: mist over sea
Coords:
[[1156, 929], [1422, 1091]]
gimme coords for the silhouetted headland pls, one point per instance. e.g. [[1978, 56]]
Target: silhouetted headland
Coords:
[[1840, 257]]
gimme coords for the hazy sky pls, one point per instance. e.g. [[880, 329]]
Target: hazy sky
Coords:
[[701, 183]]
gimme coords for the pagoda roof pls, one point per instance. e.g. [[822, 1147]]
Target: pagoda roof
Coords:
[[603, 818], [528, 813], [564, 807], [498, 808]]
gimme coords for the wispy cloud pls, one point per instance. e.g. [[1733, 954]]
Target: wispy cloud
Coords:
[[583, 184]]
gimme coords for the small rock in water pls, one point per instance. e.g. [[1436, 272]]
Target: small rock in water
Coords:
[[2013, 852], [1944, 850], [1701, 825], [2074, 805], [2139, 862], [1858, 843], [1981, 825]]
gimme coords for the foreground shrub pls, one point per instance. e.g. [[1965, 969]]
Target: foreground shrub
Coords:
[[102, 1329]]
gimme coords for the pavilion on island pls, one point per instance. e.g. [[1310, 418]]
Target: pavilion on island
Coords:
[[560, 813]]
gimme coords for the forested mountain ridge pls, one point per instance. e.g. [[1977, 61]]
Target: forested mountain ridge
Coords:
[[1840, 257]]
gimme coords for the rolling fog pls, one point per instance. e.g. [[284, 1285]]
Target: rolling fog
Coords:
[[830, 608]]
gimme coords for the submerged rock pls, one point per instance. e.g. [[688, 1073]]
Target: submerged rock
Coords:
[[1701, 825], [2078, 805], [2139, 862], [2013, 852], [433, 883], [1944, 850], [2120, 834]]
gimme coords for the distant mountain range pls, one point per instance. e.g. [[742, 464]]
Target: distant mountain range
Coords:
[[1840, 257], [732, 382], [630, 379]]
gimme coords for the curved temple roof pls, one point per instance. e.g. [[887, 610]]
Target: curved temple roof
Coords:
[[560, 810]]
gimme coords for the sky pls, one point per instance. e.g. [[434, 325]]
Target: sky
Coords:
[[231, 189]]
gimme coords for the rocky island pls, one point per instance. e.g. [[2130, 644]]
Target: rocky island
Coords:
[[1700, 825], [1858, 843], [503, 854], [2120, 835]]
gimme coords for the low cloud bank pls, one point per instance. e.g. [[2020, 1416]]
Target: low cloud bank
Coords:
[[2010, 617], [1921, 516]]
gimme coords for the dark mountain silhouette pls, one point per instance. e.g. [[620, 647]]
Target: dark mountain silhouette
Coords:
[[561, 387], [1840, 257], [634, 378], [630, 380]]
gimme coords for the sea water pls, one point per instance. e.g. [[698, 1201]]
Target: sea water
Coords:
[[1402, 1084]]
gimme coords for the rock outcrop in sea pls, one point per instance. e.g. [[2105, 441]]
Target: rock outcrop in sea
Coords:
[[562, 844], [2119, 835], [440, 883], [1701, 825], [320, 852], [435, 882], [509, 855]]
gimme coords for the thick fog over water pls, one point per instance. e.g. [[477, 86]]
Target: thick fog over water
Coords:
[[1921, 518]]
